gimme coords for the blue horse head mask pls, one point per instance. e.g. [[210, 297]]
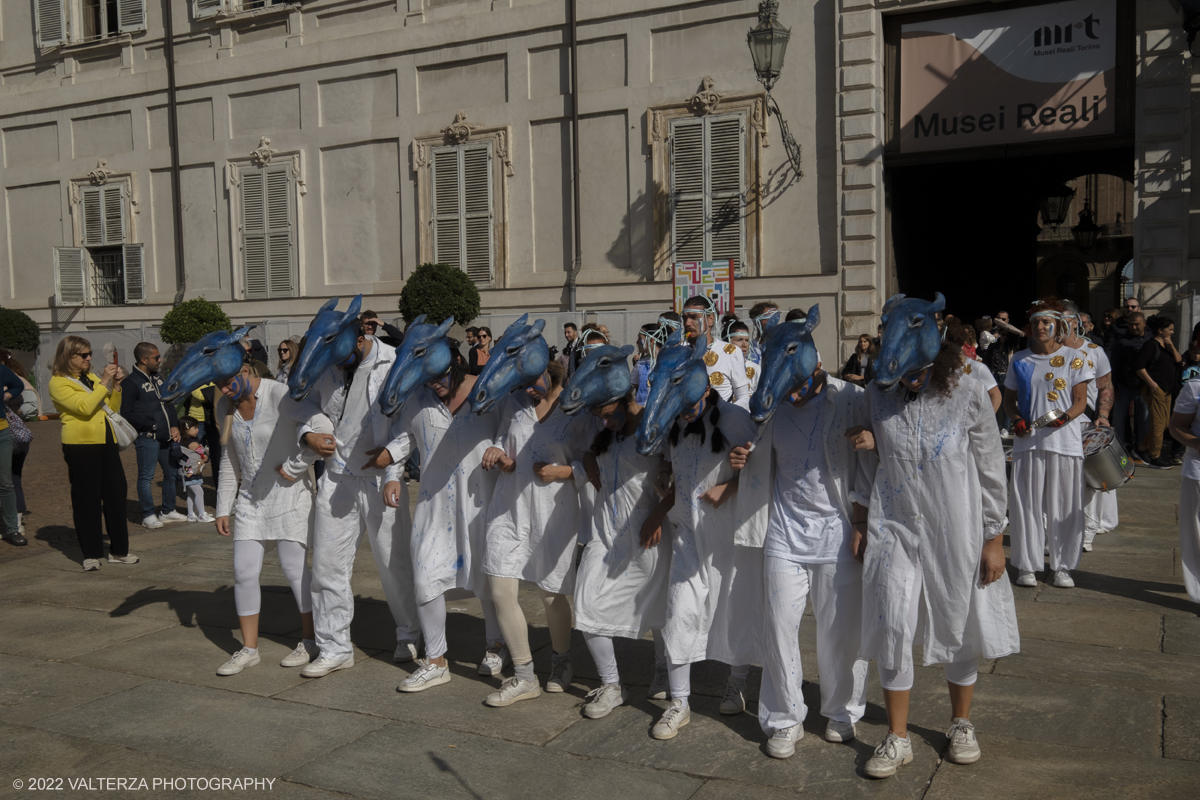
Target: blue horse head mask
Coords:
[[214, 358], [679, 381], [601, 378], [423, 357], [911, 339], [518, 359], [789, 358], [331, 339]]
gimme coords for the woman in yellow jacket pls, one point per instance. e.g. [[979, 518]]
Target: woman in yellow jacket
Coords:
[[93, 459]]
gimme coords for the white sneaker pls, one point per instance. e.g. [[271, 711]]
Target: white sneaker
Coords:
[[129, 558], [304, 653], [601, 702], [838, 732], [735, 696], [660, 684], [495, 659], [1026, 578], [325, 665], [783, 743], [207, 517], [1063, 580], [1088, 538], [513, 690], [21, 523], [239, 661], [405, 651], [964, 747], [172, 516], [427, 676], [675, 717], [152, 521], [561, 674], [91, 564], [892, 753]]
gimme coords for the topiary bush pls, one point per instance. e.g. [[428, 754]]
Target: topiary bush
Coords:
[[188, 321], [18, 331], [439, 291]]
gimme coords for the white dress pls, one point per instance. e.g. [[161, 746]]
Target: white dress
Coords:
[[1188, 403], [532, 532], [714, 600], [1099, 508], [449, 522], [261, 504], [938, 493], [621, 587]]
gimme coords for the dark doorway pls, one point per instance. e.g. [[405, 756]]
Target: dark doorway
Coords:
[[968, 229]]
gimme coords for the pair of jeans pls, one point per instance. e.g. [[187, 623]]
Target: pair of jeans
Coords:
[[1120, 412], [151, 453], [98, 490], [8, 496]]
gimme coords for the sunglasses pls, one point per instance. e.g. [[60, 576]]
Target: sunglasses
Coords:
[[284, 350], [483, 336], [85, 355]]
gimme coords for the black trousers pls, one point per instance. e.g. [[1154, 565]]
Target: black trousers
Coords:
[[98, 488]]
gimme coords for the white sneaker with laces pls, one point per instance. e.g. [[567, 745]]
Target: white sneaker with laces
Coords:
[[783, 743], [660, 684], [735, 696], [325, 665], [1026, 578], [1063, 579], [964, 747], [152, 521], [495, 659], [207, 517], [304, 653], [128, 558], [405, 651], [427, 676], [838, 732], [513, 690], [172, 516], [601, 702], [239, 661], [892, 753], [1088, 538], [91, 564], [675, 717], [561, 674]]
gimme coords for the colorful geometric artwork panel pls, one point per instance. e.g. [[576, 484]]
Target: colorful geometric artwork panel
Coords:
[[712, 279]]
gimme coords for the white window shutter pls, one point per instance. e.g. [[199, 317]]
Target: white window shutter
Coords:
[[254, 233], [268, 216], [477, 213], [279, 230], [70, 284], [726, 217], [134, 273], [114, 213], [445, 178], [708, 189], [688, 204], [92, 202], [206, 8], [51, 22], [131, 15]]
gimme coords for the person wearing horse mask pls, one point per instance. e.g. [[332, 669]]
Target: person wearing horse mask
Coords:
[[725, 363], [815, 536], [935, 529], [339, 377]]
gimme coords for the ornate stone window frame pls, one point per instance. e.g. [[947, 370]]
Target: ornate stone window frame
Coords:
[[705, 102], [460, 131], [103, 176]]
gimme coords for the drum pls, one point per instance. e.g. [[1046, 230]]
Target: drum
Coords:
[[1106, 465]]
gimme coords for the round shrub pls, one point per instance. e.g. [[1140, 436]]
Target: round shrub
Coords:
[[192, 319], [439, 291], [18, 331]]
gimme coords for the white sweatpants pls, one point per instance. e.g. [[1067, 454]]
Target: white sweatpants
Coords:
[[247, 566], [1046, 507], [1189, 536], [836, 591], [1099, 511], [346, 505]]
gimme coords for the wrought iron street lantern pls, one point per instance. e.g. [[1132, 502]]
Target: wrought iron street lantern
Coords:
[[1056, 204], [768, 41], [1087, 231]]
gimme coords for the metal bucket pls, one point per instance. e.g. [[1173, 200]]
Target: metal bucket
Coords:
[[1106, 465]]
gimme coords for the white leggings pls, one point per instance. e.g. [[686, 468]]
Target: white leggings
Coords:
[[680, 678], [195, 499], [960, 673], [601, 648], [432, 616], [247, 566]]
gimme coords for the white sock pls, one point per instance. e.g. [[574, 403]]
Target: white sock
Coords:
[[250, 649]]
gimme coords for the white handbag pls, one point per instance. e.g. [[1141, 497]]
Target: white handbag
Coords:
[[123, 432]]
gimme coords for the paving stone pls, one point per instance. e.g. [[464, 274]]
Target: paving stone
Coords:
[[1109, 627], [448, 764], [370, 688], [1182, 635], [256, 736], [207, 573], [51, 633], [1166, 597], [1181, 728], [1011, 768], [1109, 666], [33, 688], [27, 753], [732, 790]]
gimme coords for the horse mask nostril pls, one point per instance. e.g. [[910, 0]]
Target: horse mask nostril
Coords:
[[893, 365]]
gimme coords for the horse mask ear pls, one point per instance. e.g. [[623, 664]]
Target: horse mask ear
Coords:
[[538, 325], [520, 322], [699, 348], [675, 338], [420, 320], [892, 302], [329, 306], [813, 319], [938, 304], [445, 327], [355, 307], [624, 352]]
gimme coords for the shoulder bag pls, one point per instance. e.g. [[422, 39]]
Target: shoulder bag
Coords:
[[123, 432]]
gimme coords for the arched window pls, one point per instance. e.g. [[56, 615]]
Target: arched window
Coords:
[[1125, 288]]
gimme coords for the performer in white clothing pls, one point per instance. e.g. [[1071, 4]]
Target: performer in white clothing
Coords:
[[724, 361], [1046, 495], [934, 556], [1185, 427]]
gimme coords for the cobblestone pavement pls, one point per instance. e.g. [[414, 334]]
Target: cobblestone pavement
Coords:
[[111, 675]]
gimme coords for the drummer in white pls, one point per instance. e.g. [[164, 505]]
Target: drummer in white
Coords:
[[1185, 427], [725, 362]]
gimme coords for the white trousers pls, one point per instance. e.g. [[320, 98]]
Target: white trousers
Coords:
[[1045, 507], [1099, 511], [247, 566], [1189, 536], [836, 591], [346, 505]]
